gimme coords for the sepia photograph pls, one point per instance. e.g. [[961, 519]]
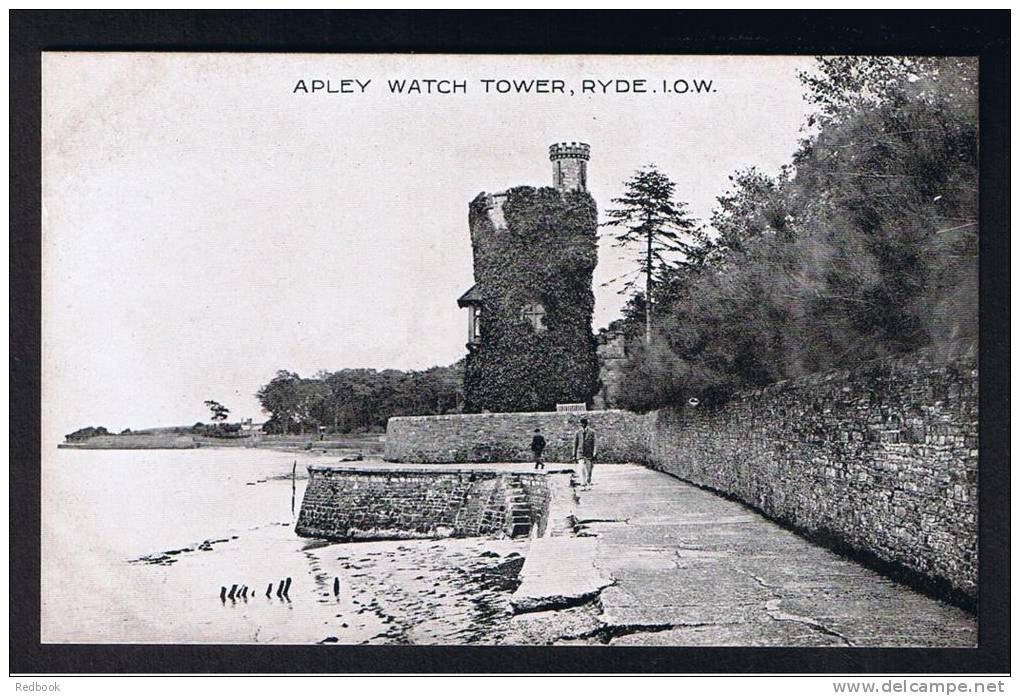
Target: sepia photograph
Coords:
[[567, 350]]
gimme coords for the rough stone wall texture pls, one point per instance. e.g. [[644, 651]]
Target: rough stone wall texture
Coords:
[[882, 459], [349, 503], [506, 437]]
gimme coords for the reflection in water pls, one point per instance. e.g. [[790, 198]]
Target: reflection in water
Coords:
[[170, 546]]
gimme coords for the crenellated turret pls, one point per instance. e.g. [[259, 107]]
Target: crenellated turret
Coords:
[[570, 165]]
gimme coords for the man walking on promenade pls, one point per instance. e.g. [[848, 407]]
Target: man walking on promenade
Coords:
[[585, 451], [537, 447]]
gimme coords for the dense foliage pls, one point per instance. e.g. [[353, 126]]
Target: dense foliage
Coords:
[[221, 430], [83, 434], [545, 256], [866, 245], [357, 400]]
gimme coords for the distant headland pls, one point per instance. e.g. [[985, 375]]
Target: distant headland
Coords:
[[350, 446]]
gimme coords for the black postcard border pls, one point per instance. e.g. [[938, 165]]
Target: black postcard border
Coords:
[[984, 33]]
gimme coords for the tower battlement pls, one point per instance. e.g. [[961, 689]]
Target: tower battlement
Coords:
[[569, 151], [570, 165]]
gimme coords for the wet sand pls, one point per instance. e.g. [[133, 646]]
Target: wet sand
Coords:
[[419, 592]]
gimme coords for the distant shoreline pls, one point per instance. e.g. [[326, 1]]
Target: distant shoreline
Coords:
[[365, 444]]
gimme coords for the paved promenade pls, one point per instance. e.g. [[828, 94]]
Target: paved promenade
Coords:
[[655, 561]]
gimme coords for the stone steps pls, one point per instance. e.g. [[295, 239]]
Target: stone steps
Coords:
[[520, 515]]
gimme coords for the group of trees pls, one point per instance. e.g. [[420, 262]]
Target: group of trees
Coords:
[[82, 434], [864, 246], [357, 400], [89, 432]]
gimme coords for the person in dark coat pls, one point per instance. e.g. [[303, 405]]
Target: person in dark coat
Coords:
[[537, 448]]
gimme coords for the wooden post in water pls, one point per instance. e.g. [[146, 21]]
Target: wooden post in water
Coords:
[[293, 487]]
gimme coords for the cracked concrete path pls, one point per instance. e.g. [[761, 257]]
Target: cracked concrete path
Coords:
[[559, 572], [689, 567]]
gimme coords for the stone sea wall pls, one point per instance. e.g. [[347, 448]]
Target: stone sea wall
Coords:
[[347, 503], [882, 459], [506, 437]]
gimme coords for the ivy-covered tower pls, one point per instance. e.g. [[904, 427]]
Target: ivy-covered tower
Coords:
[[530, 342]]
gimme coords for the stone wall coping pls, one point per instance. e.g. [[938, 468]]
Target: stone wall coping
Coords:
[[436, 470], [574, 415]]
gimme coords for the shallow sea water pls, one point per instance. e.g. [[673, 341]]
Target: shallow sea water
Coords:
[[136, 546]]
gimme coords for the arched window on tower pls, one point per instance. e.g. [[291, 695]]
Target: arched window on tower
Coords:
[[476, 324], [534, 314]]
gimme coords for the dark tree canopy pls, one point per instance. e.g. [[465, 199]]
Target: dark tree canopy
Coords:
[[83, 434], [864, 246], [357, 400]]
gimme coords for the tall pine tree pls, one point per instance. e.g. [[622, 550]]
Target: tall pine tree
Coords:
[[657, 229]]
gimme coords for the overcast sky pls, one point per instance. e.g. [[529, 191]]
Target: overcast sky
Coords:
[[205, 225]]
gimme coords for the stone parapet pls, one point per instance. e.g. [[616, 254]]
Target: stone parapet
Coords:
[[622, 436]]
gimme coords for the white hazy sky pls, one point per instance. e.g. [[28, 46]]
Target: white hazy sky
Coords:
[[204, 226]]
